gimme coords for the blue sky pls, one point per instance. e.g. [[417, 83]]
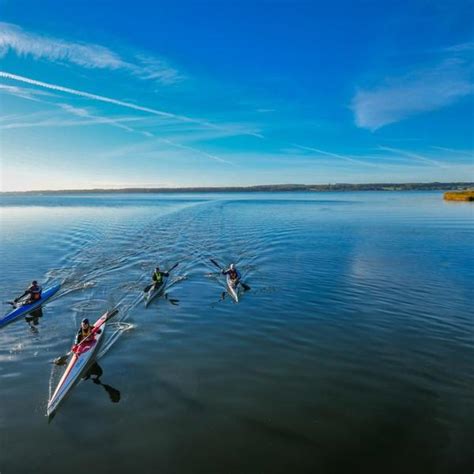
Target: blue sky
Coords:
[[100, 94]]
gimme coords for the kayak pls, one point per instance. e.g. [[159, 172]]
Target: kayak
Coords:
[[232, 288], [155, 290], [22, 309], [80, 362]]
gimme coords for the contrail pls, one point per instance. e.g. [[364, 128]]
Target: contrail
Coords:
[[108, 100], [335, 155], [67, 90], [415, 156]]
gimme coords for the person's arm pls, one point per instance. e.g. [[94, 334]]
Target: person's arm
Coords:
[[239, 275], [225, 271], [166, 274], [78, 337], [97, 331], [20, 297]]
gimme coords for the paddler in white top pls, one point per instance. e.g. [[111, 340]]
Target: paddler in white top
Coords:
[[34, 290], [233, 273]]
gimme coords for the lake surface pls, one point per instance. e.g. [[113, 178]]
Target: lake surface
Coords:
[[352, 352]]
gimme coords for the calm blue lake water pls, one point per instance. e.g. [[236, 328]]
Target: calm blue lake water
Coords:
[[352, 352]]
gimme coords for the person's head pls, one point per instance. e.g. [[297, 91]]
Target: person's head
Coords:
[[34, 283], [232, 266], [85, 323], [157, 269]]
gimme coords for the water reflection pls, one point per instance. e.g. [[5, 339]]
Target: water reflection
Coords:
[[33, 318], [95, 373]]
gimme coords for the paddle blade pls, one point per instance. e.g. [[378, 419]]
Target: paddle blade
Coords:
[[111, 314], [245, 286], [147, 288], [61, 360], [215, 263], [173, 267], [114, 394]]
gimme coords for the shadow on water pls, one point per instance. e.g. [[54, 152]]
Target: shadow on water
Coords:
[[95, 373]]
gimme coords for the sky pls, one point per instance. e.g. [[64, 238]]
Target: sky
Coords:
[[106, 94]]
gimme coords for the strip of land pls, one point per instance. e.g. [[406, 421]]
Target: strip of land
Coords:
[[435, 186]]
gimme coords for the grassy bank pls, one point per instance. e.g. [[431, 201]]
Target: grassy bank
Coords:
[[459, 196]]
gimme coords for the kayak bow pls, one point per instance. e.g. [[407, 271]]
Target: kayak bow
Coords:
[[82, 359], [22, 309]]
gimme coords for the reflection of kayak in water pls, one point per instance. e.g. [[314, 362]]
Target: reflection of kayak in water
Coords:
[[81, 360], [23, 308], [232, 288]]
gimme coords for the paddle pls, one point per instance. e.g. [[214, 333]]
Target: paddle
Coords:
[[61, 360], [244, 285], [147, 288]]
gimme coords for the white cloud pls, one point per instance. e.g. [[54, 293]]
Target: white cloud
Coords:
[[422, 90], [87, 55]]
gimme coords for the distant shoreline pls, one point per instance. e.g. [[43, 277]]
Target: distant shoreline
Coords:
[[434, 186]]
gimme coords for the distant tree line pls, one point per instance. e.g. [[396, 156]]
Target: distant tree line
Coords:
[[435, 186]]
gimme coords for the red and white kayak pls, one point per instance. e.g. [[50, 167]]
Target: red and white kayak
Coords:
[[81, 360]]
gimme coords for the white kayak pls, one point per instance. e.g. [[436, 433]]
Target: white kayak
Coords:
[[155, 290], [81, 360], [232, 288]]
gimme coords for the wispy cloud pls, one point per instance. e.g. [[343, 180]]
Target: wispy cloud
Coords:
[[86, 55], [469, 153], [422, 90], [24, 93]]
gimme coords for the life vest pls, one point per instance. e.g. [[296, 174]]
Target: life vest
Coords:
[[35, 292], [158, 277], [233, 274], [86, 332]]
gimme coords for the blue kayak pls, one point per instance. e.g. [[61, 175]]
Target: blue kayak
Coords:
[[24, 309]]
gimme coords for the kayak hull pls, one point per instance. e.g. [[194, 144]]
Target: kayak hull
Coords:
[[23, 310], [232, 289], [77, 367], [154, 291]]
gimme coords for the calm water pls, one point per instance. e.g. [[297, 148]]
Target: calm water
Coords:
[[352, 352]]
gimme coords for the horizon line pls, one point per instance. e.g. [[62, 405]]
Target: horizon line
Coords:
[[252, 188]]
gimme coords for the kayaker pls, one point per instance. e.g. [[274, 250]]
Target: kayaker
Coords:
[[158, 275], [84, 331], [34, 292], [233, 273]]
